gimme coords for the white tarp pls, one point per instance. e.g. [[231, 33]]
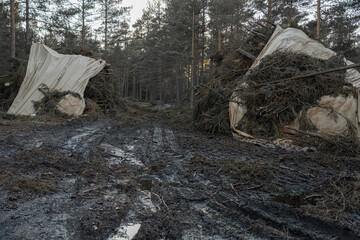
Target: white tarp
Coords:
[[57, 72], [321, 116]]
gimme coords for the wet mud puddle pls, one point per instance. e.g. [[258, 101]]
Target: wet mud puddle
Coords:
[[100, 181]]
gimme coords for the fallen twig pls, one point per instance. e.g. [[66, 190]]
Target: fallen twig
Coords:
[[292, 169], [161, 199], [308, 133], [255, 187], [6, 75], [232, 186], [313, 196]]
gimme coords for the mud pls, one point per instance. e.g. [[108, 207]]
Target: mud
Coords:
[[96, 179]]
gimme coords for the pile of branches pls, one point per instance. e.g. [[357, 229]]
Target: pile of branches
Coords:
[[272, 104], [211, 112], [78, 51], [100, 93], [10, 83], [100, 96], [48, 104], [339, 195], [101, 90]]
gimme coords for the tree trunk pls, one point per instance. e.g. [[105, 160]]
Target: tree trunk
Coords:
[[291, 13], [193, 60], [269, 10], [140, 91], [106, 30], [126, 81], [219, 38], [12, 17], [27, 47], [177, 86], [203, 44], [134, 86], [83, 25], [318, 20]]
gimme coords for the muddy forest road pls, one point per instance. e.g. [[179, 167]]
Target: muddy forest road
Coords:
[[91, 179]]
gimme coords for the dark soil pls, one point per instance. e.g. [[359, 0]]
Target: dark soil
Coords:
[[85, 178]]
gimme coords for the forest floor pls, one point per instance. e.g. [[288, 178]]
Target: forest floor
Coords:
[[102, 178]]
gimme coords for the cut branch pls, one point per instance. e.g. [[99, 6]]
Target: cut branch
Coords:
[[252, 57]]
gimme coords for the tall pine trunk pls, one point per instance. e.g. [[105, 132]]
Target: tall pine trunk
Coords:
[[203, 43], [291, 13], [106, 30], [219, 38], [134, 86], [193, 60], [177, 86], [27, 26], [269, 10], [83, 25], [12, 17], [318, 20]]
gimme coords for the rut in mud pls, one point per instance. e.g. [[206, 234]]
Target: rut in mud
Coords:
[[95, 180]]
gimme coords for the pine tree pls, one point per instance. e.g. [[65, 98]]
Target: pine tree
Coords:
[[85, 6], [12, 18], [111, 15]]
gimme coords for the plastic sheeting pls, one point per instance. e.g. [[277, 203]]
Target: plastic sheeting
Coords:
[[331, 115], [57, 72]]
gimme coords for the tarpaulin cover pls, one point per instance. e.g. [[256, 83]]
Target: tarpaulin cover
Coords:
[[57, 72], [347, 108]]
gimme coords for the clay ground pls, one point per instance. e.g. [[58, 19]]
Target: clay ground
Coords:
[[97, 179]]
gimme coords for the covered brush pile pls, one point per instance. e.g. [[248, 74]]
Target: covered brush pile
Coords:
[[211, 112], [278, 91], [100, 96], [272, 104], [101, 91], [49, 103], [78, 51]]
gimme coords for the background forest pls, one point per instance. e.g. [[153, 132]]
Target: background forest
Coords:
[[170, 49]]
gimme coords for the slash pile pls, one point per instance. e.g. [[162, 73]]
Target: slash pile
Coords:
[[100, 93], [211, 112], [272, 104]]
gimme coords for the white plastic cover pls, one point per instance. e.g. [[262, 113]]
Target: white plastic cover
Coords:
[[326, 122], [58, 72]]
